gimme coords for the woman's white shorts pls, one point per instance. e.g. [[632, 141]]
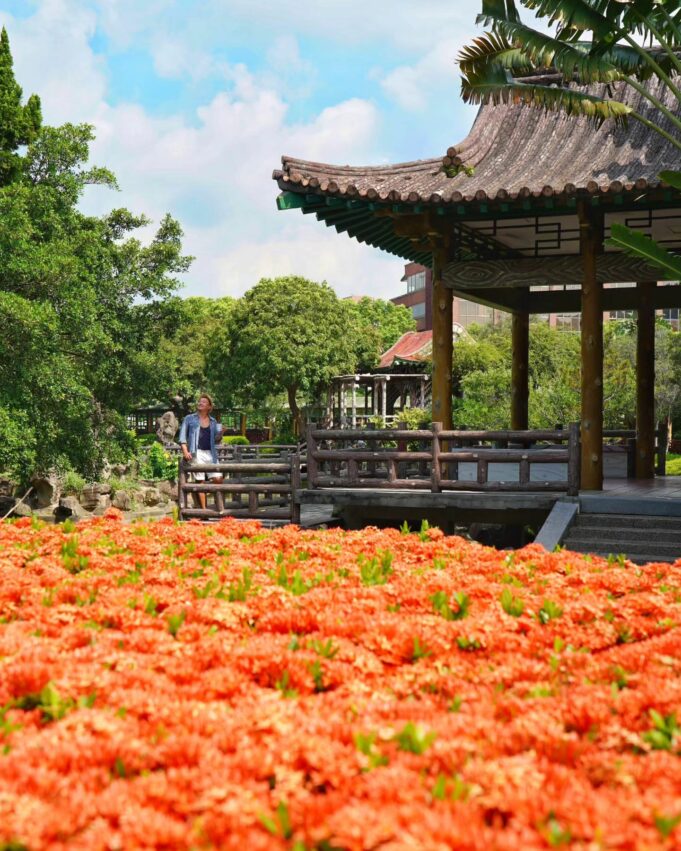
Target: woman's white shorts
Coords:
[[203, 456]]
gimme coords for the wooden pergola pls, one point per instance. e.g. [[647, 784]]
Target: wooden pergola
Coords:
[[523, 233]]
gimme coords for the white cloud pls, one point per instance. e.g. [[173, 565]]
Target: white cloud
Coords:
[[212, 169], [415, 87]]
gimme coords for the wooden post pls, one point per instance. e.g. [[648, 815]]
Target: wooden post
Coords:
[[442, 342], [295, 487], [384, 398], [435, 474], [312, 470], [573, 466], [181, 482], [645, 381], [663, 435], [354, 402], [591, 243], [243, 425], [520, 348]]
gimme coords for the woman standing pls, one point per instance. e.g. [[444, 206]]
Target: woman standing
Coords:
[[199, 434]]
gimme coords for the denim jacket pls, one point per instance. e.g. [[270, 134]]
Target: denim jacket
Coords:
[[189, 434]]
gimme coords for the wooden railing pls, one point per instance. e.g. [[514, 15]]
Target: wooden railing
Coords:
[[246, 452], [262, 490], [430, 459], [629, 435]]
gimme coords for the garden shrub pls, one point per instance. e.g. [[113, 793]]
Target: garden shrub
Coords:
[[235, 440], [73, 483], [157, 464]]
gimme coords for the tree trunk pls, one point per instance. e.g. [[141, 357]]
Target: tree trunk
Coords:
[[295, 410]]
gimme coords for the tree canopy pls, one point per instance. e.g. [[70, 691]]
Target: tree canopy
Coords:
[[73, 293], [286, 335]]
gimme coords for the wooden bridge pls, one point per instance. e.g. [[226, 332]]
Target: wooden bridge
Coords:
[[453, 477]]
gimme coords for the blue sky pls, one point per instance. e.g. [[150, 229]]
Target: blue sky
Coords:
[[193, 104]]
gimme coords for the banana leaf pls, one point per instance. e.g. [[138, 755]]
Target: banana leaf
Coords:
[[638, 244], [673, 178]]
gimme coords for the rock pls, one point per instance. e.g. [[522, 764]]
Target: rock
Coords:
[[89, 497], [103, 504], [167, 488], [7, 488], [166, 427], [47, 489], [106, 471], [21, 510], [70, 507], [123, 500], [120, 469], [150, 496], [104, 488]]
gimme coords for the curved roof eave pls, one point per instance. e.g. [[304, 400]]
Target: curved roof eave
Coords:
[[514, 152]]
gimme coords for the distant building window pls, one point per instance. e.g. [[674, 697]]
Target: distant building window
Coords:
[[416, 282], [418, 311], [472, 313], [567, 321]]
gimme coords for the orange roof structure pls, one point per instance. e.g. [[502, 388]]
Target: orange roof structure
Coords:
[[414, 347]]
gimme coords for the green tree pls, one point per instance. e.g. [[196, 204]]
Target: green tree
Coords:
[[186, 331], [381, 324], [74, 294], [19, 124], [286, 335]]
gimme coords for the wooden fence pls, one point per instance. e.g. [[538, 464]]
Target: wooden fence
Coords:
[[429, 459], [246, 452], [262, 490]]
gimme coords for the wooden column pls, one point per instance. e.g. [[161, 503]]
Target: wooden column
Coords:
[[384, 399], [354, 403], [520, 356], [645, 381], [591, 244], [242, 425], [442, 342]]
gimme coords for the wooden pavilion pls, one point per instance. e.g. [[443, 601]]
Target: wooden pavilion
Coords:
[[524, 232]]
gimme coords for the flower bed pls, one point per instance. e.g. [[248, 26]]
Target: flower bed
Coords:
[[193, 686]]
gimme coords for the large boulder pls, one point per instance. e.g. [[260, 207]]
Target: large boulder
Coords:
[[90, 496], [167, 488], [103, 504], [123, 500], [69, 507], [166, 427], [21, 509], [47, 489], [151, 497]]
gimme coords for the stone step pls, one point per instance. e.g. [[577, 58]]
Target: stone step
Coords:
[[622, 534], [637, 521], [642, 546]]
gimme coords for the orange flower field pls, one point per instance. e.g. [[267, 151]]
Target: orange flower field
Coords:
[[198, 686]]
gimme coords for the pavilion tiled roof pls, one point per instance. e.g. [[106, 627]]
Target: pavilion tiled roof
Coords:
[[415, 346], [515, 151]]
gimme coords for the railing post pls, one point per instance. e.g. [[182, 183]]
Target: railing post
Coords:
[[181, 482], [631, 457], [662, 434], [312, 469], [295, 486], [435, 474], [574, 460]]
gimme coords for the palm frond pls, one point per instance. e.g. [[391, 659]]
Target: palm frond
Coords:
[[639, 245], [574, 15], [494, 49], [497, 8], [494, 85]]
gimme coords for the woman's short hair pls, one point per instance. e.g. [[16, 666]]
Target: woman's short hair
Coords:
[[206, 396]]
